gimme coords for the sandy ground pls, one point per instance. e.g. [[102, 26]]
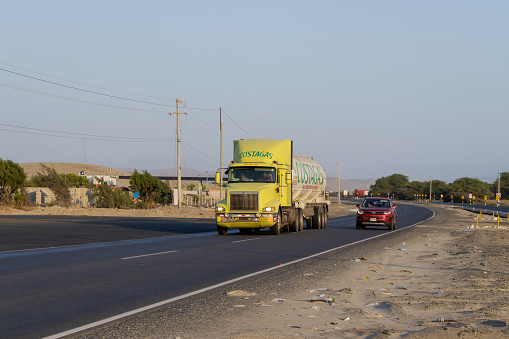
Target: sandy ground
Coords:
[[448, 278]]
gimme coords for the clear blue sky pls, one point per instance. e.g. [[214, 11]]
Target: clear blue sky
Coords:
[[382, 87]]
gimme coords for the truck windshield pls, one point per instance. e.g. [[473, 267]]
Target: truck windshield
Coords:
[[247, 174]]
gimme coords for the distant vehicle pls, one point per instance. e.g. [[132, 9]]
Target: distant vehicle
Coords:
[[375, 212]]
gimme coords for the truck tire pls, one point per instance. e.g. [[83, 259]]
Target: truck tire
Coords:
[[294, 226], [325, 217], [317, 218], [300, 219], [222, 230], [276, 229]]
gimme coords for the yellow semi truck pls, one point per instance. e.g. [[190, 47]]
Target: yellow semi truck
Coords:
[[269, 187]]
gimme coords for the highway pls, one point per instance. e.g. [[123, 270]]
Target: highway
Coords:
[[87, 270]]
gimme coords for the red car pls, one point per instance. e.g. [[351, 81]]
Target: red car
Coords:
[[376, 211]]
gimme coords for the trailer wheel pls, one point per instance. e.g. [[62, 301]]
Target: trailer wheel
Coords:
[[317, 218], [300, 219], [325, 217], [222, 230], [294, 226]]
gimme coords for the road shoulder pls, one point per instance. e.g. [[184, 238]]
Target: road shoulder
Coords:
[[392, 287]]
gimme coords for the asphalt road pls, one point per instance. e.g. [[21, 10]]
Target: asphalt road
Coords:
[[92, 269]]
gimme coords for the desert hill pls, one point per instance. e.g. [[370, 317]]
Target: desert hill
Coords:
[[32, 168]]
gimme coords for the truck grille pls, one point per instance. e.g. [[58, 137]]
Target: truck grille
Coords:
[[243, 201]]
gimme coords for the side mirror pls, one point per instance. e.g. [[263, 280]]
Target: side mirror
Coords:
[[289, 178], [218, 177]]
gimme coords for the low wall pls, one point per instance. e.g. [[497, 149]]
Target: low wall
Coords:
[[43, 196]]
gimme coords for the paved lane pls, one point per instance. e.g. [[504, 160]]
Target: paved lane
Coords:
[[48, 291]]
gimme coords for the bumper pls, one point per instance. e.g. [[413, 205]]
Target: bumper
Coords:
[[245, 220], [374, 219]]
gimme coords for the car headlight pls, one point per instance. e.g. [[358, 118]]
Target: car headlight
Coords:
[[220, 209], [269, 209], [360, 212], [387, 213]]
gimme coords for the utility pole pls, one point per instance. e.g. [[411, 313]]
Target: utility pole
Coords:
[[179, 168], [221, 165], [339, 187], [430, 183], [85, 146]]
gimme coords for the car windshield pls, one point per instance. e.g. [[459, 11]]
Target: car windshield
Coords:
[[247, 174], [376, 203]]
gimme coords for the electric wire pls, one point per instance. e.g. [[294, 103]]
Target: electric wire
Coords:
[[237, 124], [77, 100], [83, 84], [92, 86], [85, 90], [83, 135]]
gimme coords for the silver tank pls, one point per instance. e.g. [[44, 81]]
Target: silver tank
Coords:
[[308, 179]]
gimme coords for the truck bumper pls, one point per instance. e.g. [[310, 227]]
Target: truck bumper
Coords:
[[246, 220]]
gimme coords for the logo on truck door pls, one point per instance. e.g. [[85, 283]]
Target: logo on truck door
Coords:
[[252, 154]]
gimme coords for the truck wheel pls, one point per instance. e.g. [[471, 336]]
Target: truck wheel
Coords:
[[300, 220], [276, 229], [221, 230], [321, 216], [325, 217], [315, 221], [294, 226]]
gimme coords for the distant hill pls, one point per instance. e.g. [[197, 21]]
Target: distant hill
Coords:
[[32, 168], [348, 184]]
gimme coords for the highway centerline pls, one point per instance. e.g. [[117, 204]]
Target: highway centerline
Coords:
[[148, 255], [245, 240]]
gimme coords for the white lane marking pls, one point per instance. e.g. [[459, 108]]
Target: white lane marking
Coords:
[[168, 301], [147, 255], [245, 240]]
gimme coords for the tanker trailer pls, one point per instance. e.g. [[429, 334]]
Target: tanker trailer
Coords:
[[269, 187]]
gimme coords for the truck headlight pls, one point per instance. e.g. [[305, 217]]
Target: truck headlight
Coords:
[[220, 209], [269, 209]]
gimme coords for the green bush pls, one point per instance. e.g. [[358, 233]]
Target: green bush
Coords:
[[110, 197], [12, 182], [152, 190]]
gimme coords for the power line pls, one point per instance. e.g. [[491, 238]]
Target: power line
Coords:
[[80, 83], [237, 124], [76, 100], [82, 135], [83, 84], [84, 90]]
